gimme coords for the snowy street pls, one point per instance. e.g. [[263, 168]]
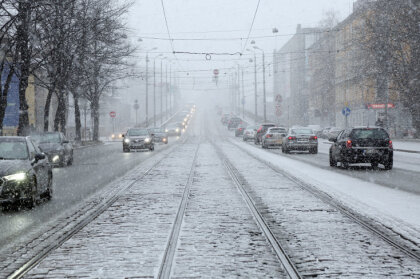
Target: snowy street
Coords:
[[179, 212]]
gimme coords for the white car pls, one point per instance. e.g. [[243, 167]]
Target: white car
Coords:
[[249, 133]]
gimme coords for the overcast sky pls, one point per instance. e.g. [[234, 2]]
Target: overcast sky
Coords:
[[226, 21]]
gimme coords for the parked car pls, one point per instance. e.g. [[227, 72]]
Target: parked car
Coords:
[[173, 130], [317, 129], [300, 139], [273, 137], [262, 129], [26, 175], [333, 132], [225, 118], [239, 131], [362, 145], [57, 147], [249, 133], [233, 123], [159, 135], [138, 138]]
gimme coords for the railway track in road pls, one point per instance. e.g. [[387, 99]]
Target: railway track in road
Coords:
[[84, 216]]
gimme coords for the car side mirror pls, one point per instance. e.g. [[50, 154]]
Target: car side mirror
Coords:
[[39, 156], [332, 139], [66, 141]]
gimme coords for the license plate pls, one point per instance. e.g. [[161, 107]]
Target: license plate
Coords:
[[279, 141], [302, 140], [371, 151]]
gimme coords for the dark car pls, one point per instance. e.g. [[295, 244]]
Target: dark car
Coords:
[[239, 131], [233, 123], [362, 145], [225, 118], [159, 135], [173, 130], [25, 173], [300, 139], [262, 129], [138, 138], [57, 147]]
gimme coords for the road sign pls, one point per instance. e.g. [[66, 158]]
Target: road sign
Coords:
[[346, 111], [216, 72], [112, 114], [278, 98]]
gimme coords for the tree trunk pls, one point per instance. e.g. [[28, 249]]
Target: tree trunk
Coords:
[[94, 106], [3, 98], [47, 109], [77, 119], [24, 63]]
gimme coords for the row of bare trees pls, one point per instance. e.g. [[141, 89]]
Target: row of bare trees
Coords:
[[390, 43], [74, 48]]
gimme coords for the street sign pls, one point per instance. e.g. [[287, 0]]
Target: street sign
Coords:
[[346, 111], [380, 106], [113, 114], [216, 72], [278, 98]]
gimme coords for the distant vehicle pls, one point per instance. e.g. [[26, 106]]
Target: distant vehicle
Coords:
[[173, 130], [225, 118], [362, 145], [117, 136], [138, 138], [159, 135], [333, 132], [25, 173], [57, 147], [324, 133], [273, 137], [239, 131], [262, 129], [249, 133], [233, 123], [317, 129], [300, 139]]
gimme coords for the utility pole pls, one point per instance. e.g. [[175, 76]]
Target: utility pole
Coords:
[[161, 92], [170, 89], [264, 98], [154, 92], [147, 90], [166, 93], [255, 87], [243, 96]]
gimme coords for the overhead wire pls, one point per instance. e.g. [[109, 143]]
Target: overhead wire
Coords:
[[252, 25]]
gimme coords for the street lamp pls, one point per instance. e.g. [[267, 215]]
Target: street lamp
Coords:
[[255, 83], [161, 89], [264, 95], [154, 89], [147, 85]]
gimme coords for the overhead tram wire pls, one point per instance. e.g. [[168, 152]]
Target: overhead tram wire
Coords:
[[252, 25]]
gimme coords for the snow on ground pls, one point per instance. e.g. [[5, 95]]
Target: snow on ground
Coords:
[[398, 209]]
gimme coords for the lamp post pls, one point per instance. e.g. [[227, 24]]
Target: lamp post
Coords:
[[154, 89], [161, 89], [147, 86], [264, 95], [255, 84]]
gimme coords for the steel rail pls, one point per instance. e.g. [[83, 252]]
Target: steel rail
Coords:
[[168, 257], [240, 181], [365, 222], [102, 207]]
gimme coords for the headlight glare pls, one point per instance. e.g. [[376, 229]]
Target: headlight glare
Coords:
[[126, 140], [55, 158], [20, 176], [147, 140]]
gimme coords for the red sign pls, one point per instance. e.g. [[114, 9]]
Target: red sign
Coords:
[[216, 72], [112, 114], [379, 106]]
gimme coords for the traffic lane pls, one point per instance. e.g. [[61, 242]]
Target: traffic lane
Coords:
[[397, 178], [93, 168]]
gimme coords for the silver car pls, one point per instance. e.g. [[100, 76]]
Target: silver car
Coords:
[[273, 137], [300, 139], [249, 133]]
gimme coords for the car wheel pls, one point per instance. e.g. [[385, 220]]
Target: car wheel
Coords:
[[32, 200], [151, 148], [70, 161], [345, 164], [49, 192], [333, 163], [388, 165], [263, 145], [374, 164], [314, 150], [126, 150]]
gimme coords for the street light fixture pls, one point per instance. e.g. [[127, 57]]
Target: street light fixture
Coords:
[[147, 85], [264, 95], [255, 83]]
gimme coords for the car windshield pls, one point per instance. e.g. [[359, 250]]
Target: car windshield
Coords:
[[156, 131], [369, 134], [13, 150], [277, 130], [137, 132], [47, 138], [302, 131]]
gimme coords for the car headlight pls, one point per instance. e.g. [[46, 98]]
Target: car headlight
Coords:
[[177, 130], [20, 176], [126, 140], [112, 136], [147, 140], [55, 158], [166, 130], [164, 139], [120, 136]]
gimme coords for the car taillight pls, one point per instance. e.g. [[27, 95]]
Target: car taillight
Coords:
[[240, 129], [348, 144], [390, 144], [314, 138], [259, 130], [268, 136], [291, 138]]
